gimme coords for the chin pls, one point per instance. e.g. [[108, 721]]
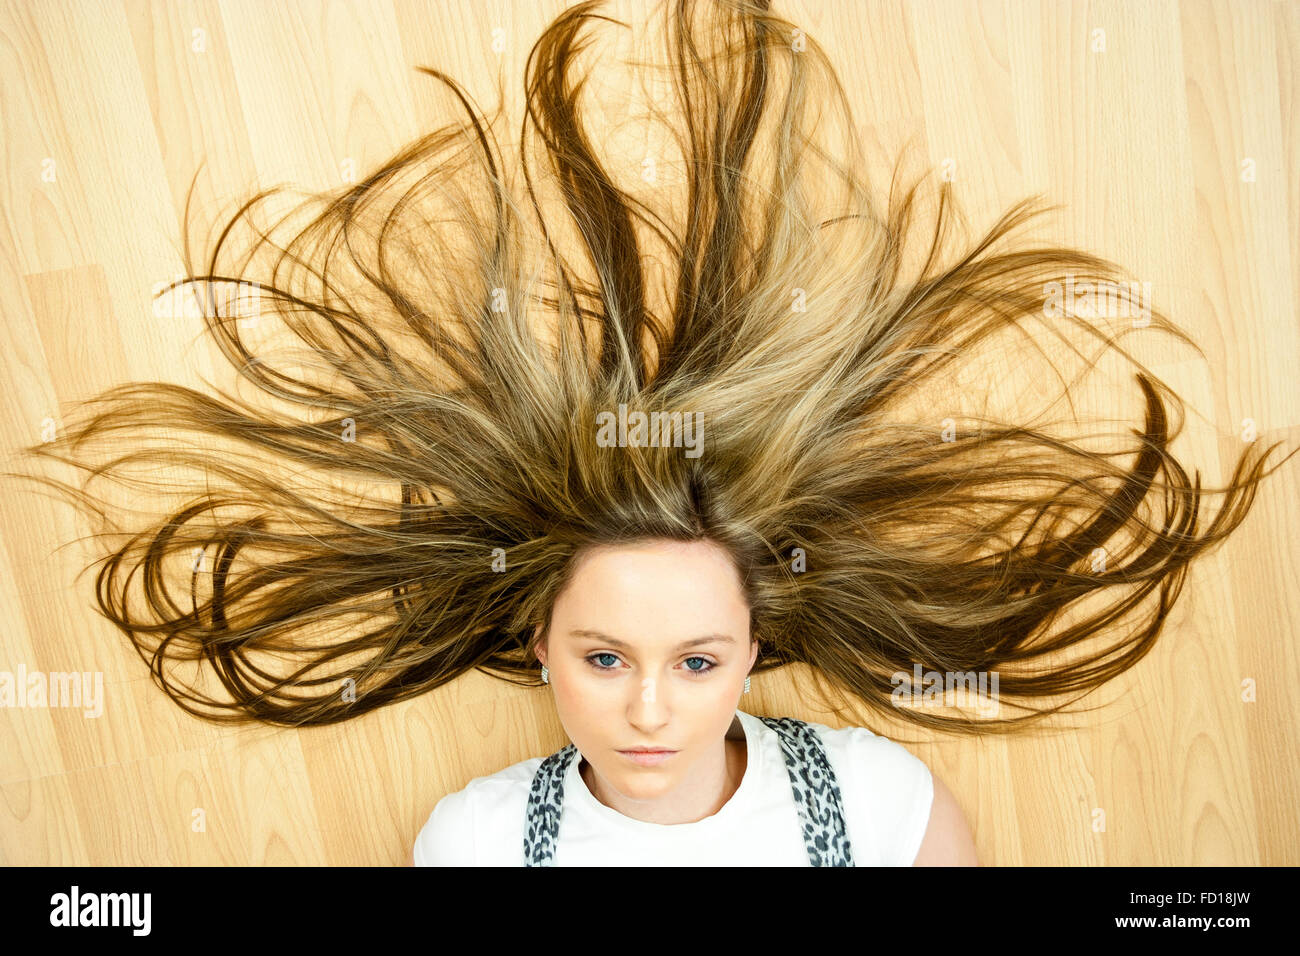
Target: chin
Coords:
[[643, 784]]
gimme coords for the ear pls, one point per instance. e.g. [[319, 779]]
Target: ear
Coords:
[[753, 651]]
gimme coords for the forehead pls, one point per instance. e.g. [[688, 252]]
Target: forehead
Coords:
[[653, 594]]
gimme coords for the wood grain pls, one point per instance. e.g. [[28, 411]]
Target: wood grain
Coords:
[[1162, 127]]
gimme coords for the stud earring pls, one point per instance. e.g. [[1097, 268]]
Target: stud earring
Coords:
[[546, 675], [746, 685]]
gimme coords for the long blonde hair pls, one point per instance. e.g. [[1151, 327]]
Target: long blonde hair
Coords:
[[412, 507]]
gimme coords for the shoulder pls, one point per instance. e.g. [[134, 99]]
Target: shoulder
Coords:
[[475, 825], [888, 791], [948, 840], [879, 756]]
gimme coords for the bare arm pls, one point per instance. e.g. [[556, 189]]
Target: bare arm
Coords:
[[948, 840]]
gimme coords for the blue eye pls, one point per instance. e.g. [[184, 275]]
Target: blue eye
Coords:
[[594, 658]]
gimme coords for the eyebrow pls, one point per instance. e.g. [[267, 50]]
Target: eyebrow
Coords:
[[615, 642]]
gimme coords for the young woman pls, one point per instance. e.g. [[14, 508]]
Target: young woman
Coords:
[[647, 652], [690, 416]]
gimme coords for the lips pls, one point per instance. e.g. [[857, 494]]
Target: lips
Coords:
[[647, 758]]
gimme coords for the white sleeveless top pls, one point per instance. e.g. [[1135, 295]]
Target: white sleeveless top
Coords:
[[886, 794]]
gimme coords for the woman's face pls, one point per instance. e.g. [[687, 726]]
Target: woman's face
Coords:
[[649, 646]]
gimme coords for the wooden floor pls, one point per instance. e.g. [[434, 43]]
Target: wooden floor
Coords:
[[1160, 126]]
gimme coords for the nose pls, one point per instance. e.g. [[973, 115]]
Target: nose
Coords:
[[648, 708]]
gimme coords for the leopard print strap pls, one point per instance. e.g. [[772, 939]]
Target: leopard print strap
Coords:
[[812, 781], [816, 792], [545, 802]]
